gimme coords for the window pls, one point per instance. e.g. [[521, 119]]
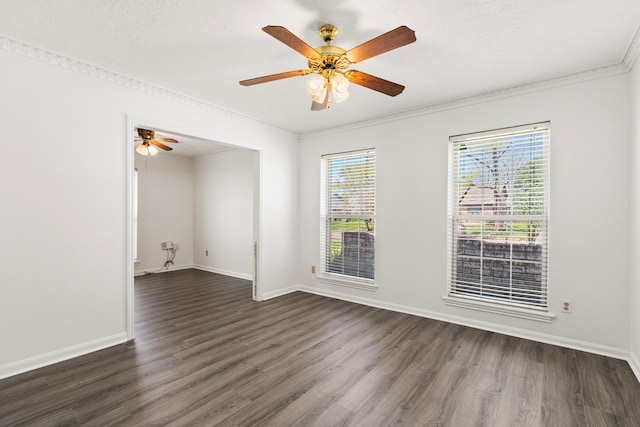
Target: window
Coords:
[[498, 220], [348, 218]]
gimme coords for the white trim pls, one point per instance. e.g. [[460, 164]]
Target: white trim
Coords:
[[614, 352], [62, 61], [507, 310], [257, 227], [223, 272], [164, 270], [15, 368], [130, 263], [634, 364], [633, 51], [350, 282], [197, 267], [279, 292], [584, 76], [56, 59]]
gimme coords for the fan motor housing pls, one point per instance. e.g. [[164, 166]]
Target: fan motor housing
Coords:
[[146, 133], [332, 58]]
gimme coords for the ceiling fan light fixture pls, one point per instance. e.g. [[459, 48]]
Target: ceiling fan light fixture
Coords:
[[316, 85], [339, 83], [340, 86], [340, 96], [146, 150]]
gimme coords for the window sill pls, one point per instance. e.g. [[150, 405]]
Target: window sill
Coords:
[[351, 282], [522, 313]]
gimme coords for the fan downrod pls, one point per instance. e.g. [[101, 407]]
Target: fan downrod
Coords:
[[328, 33]]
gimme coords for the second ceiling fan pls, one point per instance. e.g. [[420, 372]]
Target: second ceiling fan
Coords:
[[149, 140], [330, 64]]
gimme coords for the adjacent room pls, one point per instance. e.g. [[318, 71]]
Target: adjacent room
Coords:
[[194, 206], [310, 213]]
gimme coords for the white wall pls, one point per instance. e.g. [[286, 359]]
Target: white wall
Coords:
[[589, 241], [63, 173], [165, 209], [224, 213], [635, 219]]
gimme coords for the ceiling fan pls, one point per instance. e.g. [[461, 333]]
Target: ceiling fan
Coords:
[[150, 142], [330, 64]]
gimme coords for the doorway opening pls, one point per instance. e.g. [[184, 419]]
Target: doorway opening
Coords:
[[196, 205]]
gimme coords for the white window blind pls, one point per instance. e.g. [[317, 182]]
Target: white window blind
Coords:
[[498, 216], [348, 214]]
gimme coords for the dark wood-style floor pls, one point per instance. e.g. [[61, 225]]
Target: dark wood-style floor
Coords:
[[205, 354]]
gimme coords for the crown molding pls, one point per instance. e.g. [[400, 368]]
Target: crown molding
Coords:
[[633, 52], [52, 58], [31, 51], [628, 61], [584, 76]]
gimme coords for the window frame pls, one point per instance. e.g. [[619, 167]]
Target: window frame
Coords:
[[326, 216], [481, 302]]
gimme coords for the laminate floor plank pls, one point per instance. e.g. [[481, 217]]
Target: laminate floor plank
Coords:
[[63, 418], [520, 402], [562, 398], [333, 416], [443, 397], [599, 384], [598, 418], [629, 387], [205, 354]]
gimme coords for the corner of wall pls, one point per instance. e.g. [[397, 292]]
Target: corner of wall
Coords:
[[634, 363], [634, 249]]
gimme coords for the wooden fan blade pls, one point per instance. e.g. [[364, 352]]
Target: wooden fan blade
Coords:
[[160, 145], [388, 41], [375, 83], [272, 77], [166, 140], [291, 40]]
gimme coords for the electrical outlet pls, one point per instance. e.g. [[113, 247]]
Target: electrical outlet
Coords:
[[206, 253], [566, 306], [313, 269]]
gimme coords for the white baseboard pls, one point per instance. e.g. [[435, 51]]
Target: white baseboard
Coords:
[[279, 292], [635, 365], [15, 368], [224, 272], [162, 270], [614, 352]]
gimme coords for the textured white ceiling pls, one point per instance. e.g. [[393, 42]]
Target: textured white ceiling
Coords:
[[203, 48]]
